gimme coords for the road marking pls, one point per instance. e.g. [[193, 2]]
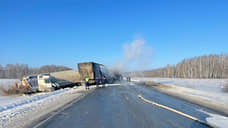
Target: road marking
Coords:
[[175, 111]]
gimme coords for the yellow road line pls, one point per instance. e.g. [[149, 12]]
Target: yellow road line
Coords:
[[175, 111]]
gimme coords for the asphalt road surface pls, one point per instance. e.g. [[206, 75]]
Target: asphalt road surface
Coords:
[[119, 107]]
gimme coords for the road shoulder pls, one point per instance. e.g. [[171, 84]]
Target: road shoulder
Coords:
[[216, 106]]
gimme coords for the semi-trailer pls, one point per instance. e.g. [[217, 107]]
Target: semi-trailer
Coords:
[[95, 71]]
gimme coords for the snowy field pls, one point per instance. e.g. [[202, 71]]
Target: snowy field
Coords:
[[208, 85], [207, 88], [211, 89], [7, 82]]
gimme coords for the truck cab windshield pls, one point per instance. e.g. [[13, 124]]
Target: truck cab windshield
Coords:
[[47, 81]]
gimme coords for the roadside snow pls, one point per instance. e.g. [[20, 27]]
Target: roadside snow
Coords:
[[20, 111], [216, 120], [209, 85], [205, 88], [6, 100]]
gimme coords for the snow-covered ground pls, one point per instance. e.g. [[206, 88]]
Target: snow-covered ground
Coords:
[[216, 120], [19, 111], [209, 85], [7, 82], [208, 89], [4, 100]]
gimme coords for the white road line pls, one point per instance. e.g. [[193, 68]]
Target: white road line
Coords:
[[175, 111]]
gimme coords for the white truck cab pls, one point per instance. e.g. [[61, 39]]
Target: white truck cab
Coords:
[[46, 82]]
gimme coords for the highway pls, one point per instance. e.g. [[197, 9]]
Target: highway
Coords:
[[120, 107]]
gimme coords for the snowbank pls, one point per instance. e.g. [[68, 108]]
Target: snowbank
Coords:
[[216, 120]]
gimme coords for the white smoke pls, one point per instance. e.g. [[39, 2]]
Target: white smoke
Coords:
[[136, 56]]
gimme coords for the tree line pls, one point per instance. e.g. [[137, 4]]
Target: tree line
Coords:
[[214, 66], [17, 71]]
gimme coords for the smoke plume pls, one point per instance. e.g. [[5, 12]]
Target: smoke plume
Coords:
[[136, 56]]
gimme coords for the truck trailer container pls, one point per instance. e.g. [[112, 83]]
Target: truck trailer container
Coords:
[[94, 70]]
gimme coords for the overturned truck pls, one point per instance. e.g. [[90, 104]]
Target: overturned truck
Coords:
[[56, 80]]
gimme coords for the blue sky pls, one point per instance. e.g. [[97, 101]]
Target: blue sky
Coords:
[[40, 32]]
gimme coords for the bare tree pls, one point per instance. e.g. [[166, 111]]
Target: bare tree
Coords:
[[211, 66], [20, 70]]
